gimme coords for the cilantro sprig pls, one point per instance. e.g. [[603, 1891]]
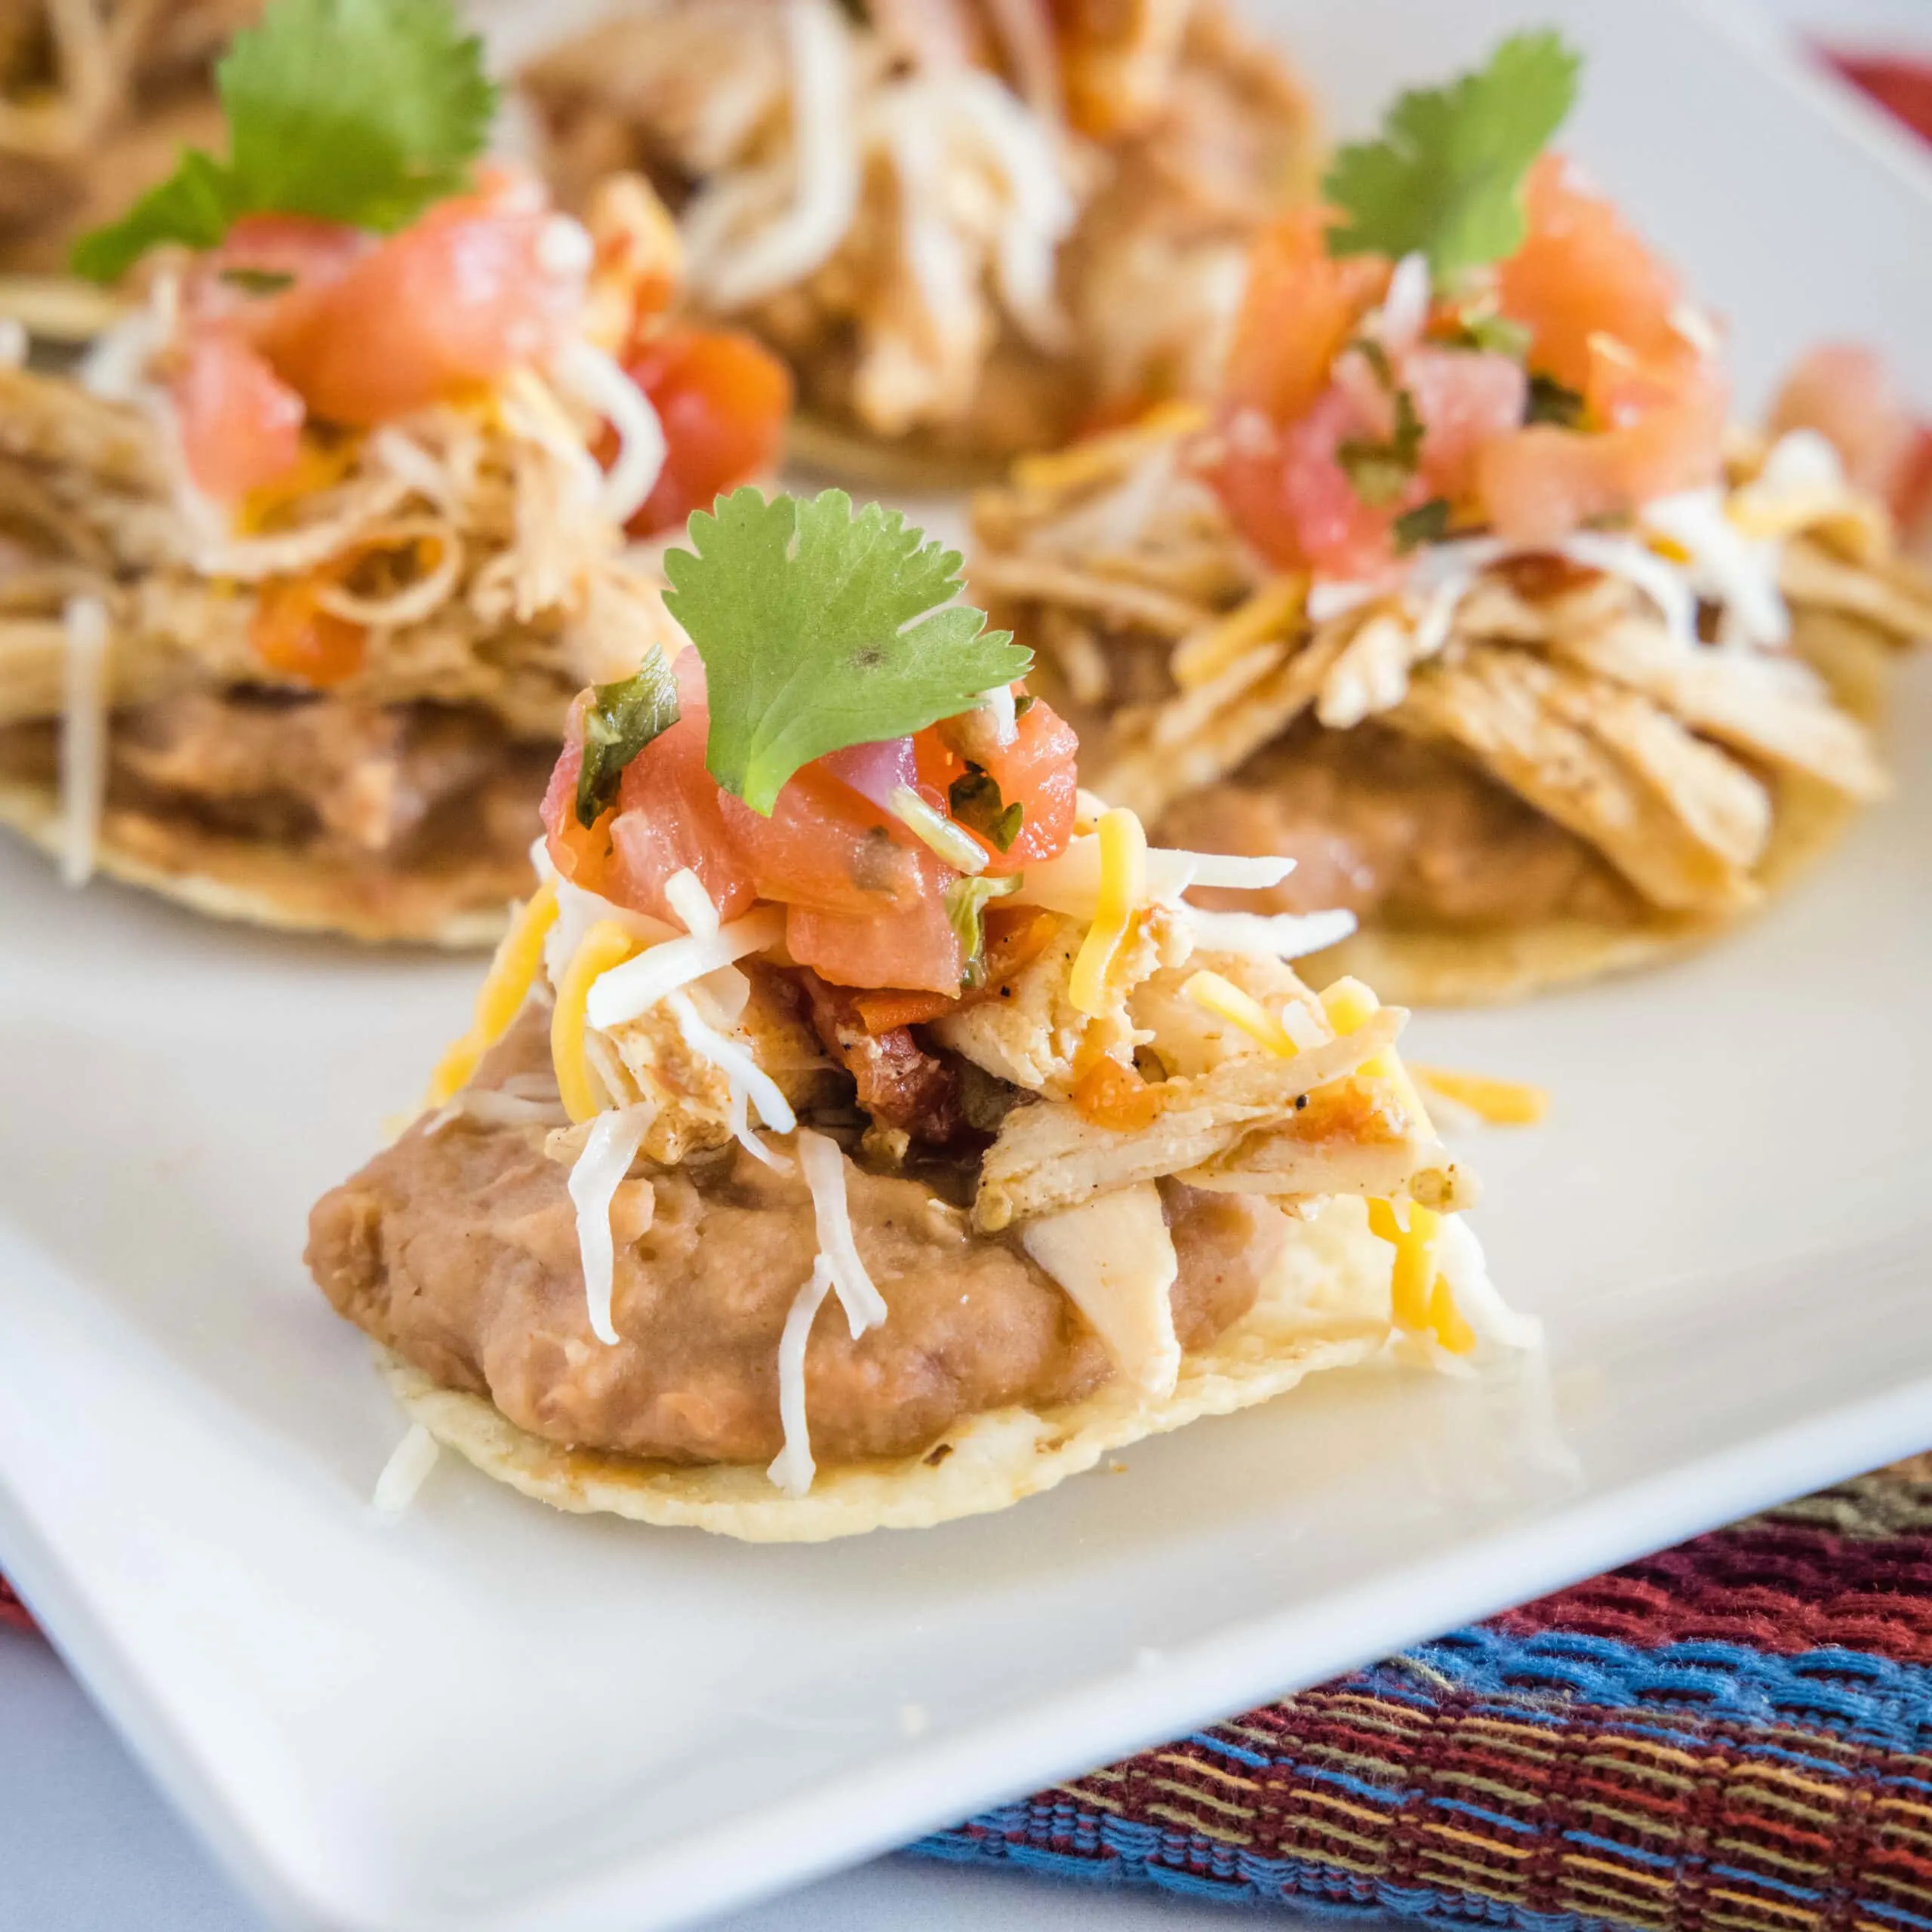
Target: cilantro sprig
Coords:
[[975, 802], [363, 111], [819, 628], [620, 720], [1380, 471], [1445, 178]]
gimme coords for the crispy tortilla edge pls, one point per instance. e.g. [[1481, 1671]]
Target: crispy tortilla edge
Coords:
[[259, 885]]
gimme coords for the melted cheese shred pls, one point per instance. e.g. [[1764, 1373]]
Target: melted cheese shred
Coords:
[[824, 1166], [1221, 997], [506, 986], [1123, 889], [1496, 1103], [83, 736], [1420, 1297], [596, 1174], [606, 945], [793, 1468]]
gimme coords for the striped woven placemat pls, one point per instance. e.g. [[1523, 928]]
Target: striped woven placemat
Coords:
[[1735, 1734]]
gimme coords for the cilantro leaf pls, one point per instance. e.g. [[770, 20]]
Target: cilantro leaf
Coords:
[[1381, 472], [820, 629], [620, 720], [1551, 401], [1445, 178], [363, 111], [1487, 329], [975, 802], [1427, 523], [195, 205], [965, 911]]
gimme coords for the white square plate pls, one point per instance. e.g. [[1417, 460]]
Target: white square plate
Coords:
[[489, 1717]]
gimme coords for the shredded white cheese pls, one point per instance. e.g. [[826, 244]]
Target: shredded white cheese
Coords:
[[734, 269], [739, 1069], [1464, 1266], [593, 377], [793, 1468], [404, 1472], [596, 1174], [999, 704], [1737, 573], [1070, 883], [824, 1167], [684, 894], [83, 736], [627, 990], [1277, 936]]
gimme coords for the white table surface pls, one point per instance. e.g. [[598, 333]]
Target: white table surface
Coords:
[[87, 1843]]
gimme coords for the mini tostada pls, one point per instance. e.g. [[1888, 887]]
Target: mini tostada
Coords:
[[305, 559], [1463, 592], [838, 989]]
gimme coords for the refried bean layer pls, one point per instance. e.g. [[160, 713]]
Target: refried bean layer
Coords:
[[458, 1249]]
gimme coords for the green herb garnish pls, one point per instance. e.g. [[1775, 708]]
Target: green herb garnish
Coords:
[[965, 911], [819, 629], [258, 281], [363, 111], [620, 720], [1550, 402], [1372, 353], [1381, 472], [1427, 523], [1445, 178], [1487, 330], [975, 802]]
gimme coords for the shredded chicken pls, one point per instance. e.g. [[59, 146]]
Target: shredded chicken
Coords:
[[975, 221], [1031, 1034], [1185, 667], [1049, 1156], [97, 99]]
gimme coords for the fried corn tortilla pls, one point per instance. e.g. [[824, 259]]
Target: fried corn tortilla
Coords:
[[1324, 1307]]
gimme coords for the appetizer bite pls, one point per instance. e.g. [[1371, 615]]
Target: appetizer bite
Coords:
[[95, 100], [1461, 592], [970, 226], [837, 986], [306, 560]]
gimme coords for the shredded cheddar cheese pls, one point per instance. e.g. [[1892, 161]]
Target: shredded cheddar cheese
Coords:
[[1266, 614], [1122, 888], [1420, 1295], [504, 989], [606, 945], [1225, 1000], [1100, 456], [1501, 1102]]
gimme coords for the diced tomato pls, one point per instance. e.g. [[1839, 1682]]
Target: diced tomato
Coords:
[[669, 820], [451, 302], [1301, 307], [723, 399], [1845, 393], [1038, 771], [1665, 434], [1584, 272], [1111, 1095], [261, 258], [241, 425], [826, 847], [1464, 400], [911, 946], [291, 633]]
